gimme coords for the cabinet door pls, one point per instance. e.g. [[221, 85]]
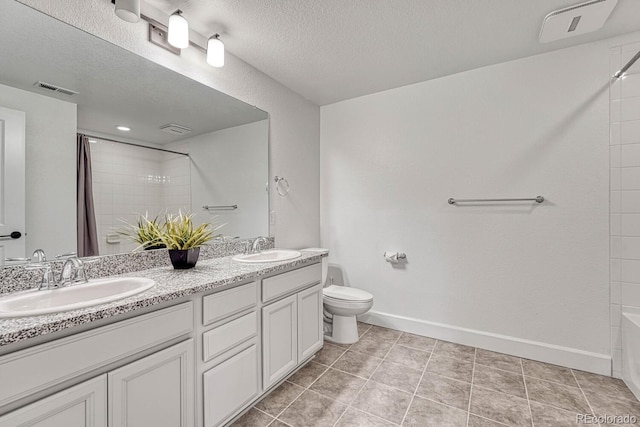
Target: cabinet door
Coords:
[[230, 385], [154, 391], [84, 405], [279, 339], [310, 328]]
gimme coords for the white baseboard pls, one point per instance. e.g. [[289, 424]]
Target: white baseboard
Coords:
[[534, 350]]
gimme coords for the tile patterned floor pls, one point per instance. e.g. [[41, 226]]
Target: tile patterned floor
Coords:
[[390, 378]]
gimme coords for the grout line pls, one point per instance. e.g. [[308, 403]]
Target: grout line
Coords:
[[415, 391], [488, 419], [583, 393], [526, 391], [369, 379], [473, 374]]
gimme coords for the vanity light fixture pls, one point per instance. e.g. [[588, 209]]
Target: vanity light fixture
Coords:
[[128, 10], [123, 128], [178, 30], [92, 141], [215, 51], [172, 38]]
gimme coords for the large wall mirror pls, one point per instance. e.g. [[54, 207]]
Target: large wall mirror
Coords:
[[188, 146]]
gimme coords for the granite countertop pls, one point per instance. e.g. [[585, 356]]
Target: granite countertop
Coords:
[[170, 285]]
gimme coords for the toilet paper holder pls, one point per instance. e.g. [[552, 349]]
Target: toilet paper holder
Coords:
[[389, 256]]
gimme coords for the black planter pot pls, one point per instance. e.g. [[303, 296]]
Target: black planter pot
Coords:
[[154, 247], [184, 258]]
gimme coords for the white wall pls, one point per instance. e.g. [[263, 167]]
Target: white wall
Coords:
[[228, 168], [521, 278], [50, 170], [294, 121], [625, 193]]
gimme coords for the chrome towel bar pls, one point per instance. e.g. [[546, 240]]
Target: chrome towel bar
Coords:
[[538, 199], [220, 208]]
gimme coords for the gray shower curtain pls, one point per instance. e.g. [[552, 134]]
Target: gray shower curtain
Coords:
[[87, 233]]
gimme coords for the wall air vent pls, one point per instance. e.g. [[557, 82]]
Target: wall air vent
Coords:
[[575, 20], [54, 88], [175, 129]]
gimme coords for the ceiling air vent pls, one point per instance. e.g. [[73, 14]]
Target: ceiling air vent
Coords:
[[54, 88], [575, 20], [175, 129]]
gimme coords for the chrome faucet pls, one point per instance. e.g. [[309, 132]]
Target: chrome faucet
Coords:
[[72, 272], [257, 244]]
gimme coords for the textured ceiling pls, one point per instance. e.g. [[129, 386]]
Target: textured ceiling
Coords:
[[331, 50]]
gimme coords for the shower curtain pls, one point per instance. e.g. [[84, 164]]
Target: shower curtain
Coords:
[[86, 215]]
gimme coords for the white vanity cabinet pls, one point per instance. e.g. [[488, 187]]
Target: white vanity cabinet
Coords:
[[154, 391], [158, 386], [84, 405], [230, 361], [291, 325]]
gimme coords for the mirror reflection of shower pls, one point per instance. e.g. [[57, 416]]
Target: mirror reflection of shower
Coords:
[[131, 180]]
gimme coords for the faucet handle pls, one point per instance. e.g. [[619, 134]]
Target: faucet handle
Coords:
[[48, 280], [39, 255]]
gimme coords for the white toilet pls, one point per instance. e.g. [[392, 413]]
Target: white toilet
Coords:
[[343, 303]]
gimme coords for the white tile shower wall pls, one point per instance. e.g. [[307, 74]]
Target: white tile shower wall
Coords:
[[522, 278], [128, 181], [625, 192]]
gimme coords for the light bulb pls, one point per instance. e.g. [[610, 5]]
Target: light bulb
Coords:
[[128, 10], [215, 51], [178, 31]]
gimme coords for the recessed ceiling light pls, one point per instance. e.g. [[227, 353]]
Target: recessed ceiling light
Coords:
[[123, 128]]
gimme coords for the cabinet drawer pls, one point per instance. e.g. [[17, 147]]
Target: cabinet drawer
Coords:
[[282, 284], [227, 336], [230, 386], [226, 303], [52, 363]]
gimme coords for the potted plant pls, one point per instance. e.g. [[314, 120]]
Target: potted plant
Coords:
[[146, 232], [184, 240]]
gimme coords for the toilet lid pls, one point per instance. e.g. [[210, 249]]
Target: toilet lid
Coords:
[[346, 293]]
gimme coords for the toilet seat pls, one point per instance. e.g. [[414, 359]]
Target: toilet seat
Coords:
[[346, 294]]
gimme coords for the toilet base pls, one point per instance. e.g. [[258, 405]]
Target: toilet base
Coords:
[[344, 330]]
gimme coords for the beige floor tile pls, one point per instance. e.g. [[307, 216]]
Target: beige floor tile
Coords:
[[338, 385], [381, 333], [545, 371], [313, 410], [253, 418], [499, 380], [328, 354], [558, 395], [398, 376], [280, 398], [307, 375], [498, 360], [383, 401], [476, 421], [455, 351], [407, 356], [426, 413], [445, 390], [372, 345], [500, 407], [548, 416], [417, 341], [355, 418], [601, 384], [360, 364], [450, 368]]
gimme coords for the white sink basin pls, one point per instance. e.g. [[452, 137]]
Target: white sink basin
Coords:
[[272, 255], [97, 291]]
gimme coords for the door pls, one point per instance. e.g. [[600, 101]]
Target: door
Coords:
[[279, 339], [12, 183], [157, 390], [83, 405], [310, 327], [230, 385]]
